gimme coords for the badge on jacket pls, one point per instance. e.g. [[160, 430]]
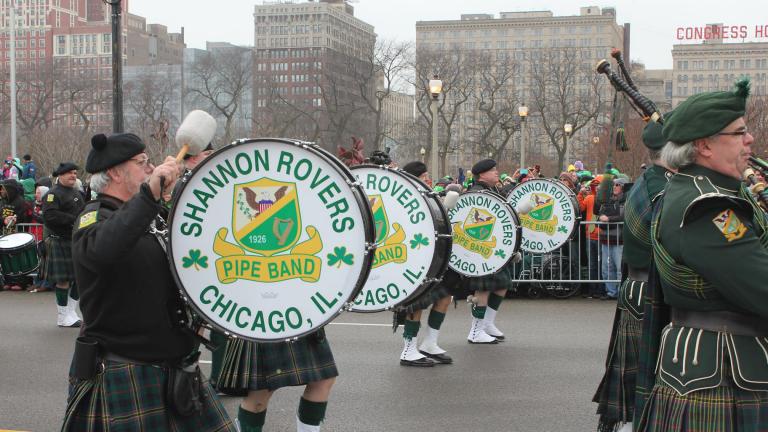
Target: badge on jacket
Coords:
[[730, 225], [87, 219], [51, 198]]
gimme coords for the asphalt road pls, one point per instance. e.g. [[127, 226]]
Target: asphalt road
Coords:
[[541, 379]]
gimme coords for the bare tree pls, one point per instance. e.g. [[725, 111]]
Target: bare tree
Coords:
[[457, 71], [495, 103], [35, 96], [563, 91], [377, 77], [79, 92], [220, 81], [757, 122]]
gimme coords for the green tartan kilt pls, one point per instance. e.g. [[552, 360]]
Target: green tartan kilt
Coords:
[[726, 408], [615, 394], [258, 366], [445, 288], [496, 281], [57, 266], [131, 397]]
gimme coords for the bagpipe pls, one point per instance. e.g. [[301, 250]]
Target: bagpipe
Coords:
[[624, 84]]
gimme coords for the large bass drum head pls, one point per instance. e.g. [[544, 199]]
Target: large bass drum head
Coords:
[[486, 233], [408, 250], [269, 239], [553, 218]]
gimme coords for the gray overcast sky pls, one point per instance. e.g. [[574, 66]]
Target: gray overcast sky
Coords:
[[653, 21]]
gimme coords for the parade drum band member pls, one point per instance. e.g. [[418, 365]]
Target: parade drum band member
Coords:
[[710, 245], [135, 365]]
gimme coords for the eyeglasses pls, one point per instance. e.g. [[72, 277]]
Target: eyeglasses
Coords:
[[740, 132], [142, 162]]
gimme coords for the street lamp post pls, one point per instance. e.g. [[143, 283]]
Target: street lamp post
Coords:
[[435, 88], [568, 128], [595, 142], [422, 152], [523, 112], [117, 66]]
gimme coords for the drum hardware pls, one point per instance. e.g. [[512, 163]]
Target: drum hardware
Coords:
[[18, 254]]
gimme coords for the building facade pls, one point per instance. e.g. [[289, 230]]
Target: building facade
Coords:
[[715, 65], [523, 39], [306, 55]]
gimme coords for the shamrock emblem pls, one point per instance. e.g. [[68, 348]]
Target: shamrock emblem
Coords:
[[500, 253], [340, 256], [195, 259], [419, 241], [562, 229]]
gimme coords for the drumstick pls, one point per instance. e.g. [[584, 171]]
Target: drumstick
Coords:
[[194, 133]]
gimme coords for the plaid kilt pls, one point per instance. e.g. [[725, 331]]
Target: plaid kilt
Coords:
[[131, 397], [57, 266], [615, 395], [496, 281], [257, 366], [726, 408], [445, 288]]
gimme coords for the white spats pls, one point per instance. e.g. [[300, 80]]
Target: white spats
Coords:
[[410, 352], [303, 427], [490, 327], [429, 343], [477, 334]]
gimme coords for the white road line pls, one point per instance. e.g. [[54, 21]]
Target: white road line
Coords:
[[362, 324], [204, 361]]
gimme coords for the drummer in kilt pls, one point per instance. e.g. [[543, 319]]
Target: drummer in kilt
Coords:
[[616, 392], [135, 364], [428, 352], [710, 250], [489, 291], [61, 206]]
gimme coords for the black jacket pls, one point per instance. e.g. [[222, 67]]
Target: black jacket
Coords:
[[128, 296], [61, 205]]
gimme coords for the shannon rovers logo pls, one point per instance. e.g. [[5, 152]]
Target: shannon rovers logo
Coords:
[[266, 221], [390, 247], [541, 218], [476, 233]]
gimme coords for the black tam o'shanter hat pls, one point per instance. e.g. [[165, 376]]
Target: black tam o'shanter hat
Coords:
[[107, 152]]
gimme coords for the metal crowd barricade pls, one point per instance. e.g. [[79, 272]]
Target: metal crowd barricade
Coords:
[[566, 271]]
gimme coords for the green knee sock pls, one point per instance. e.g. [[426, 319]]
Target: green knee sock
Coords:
[[61, 296], [217, 355], [251, 421], [311, 413], [74, 293], [435, 319], [478, 312], [411, 329], [494, 301]]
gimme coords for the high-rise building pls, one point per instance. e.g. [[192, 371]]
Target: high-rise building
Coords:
[[716, 65], [522, 40], [305, 55]]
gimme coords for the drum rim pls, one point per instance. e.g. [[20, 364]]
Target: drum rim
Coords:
[[431, 279], [357, 192], [574, 200], [31, 240], [518, 232], [11, 252]]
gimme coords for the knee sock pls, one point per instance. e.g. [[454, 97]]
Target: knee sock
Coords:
[[311, 413], [494, 301], [251, 421], [73, 291], [478, 312], [411, 329], [61, 296], [435, 319]]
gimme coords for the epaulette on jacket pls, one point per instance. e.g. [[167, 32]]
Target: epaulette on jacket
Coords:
[[708, 192]]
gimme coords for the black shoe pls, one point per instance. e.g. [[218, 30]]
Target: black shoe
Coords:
[[422, 362], [438, 358]]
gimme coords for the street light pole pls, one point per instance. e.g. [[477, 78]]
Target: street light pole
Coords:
[[12, 92], [523, 112], [568, 128], [435, 88], [117, 67]]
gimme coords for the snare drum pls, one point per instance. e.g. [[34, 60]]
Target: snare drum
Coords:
[[486, 234], [413, 238], [553, 219], [270, 238], [18, 254]]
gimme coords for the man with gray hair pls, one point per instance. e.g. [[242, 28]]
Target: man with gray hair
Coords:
[[710, 251]]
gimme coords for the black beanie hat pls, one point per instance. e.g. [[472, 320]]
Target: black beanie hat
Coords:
[[483, 166], [107, 152], [65, 167]]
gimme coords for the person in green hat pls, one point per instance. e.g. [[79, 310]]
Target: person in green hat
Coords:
[[615, 395], [710, 252]]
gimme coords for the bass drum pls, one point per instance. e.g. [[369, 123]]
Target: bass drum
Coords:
[[553, 218], [486, 234], [413, 238], [270, 238]]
